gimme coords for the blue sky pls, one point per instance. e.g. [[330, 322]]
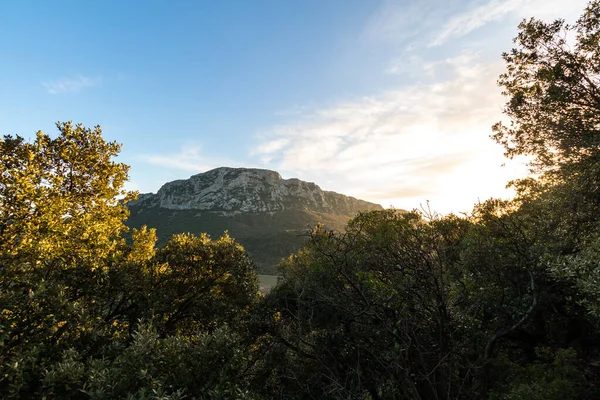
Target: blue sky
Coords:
[[389, 101]]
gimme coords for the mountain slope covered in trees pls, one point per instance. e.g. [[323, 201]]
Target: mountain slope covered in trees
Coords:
[[270, 216]]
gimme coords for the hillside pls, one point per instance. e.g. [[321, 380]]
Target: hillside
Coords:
[[267, 214]]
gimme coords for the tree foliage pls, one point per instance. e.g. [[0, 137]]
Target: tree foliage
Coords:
[[369, 312]]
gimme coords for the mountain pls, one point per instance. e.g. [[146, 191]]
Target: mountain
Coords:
[[267, 214]]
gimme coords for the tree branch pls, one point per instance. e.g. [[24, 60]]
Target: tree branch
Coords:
[[490, 345]]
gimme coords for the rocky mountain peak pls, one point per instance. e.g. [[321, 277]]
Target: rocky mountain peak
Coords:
[[248, 190]]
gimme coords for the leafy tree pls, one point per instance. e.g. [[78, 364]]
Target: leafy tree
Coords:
[[553, 88], [198, 284], [203, 365], [370, 313], [53, 189], [60, 230]]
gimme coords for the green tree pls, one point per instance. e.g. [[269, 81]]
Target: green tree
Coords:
[[60, 230], [553, 88], [198, 284], [552, 85], [369, 313]]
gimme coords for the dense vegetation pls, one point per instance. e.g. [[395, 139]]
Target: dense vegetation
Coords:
[[266, 237], [500, 304]]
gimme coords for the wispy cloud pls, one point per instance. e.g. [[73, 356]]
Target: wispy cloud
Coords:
[[494, 10], [190, 158], [406, 20], [70, 85], [433, 23], [477, 17], [427, 138]]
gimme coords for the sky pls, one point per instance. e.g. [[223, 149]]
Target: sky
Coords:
[[390, 101]]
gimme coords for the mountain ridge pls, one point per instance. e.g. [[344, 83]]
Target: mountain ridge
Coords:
[[230, 190]]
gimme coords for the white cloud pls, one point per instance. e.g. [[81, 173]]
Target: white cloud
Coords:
[[462, 24], [272, 146], [70, 85], [417, 23], [417, 142], [494, 10], [549, 10], [403, 147]]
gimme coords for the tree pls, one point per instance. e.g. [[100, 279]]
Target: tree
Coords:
[[497, 305], [60, 229], [198, 284], [57, 189], [369, 313], [553, 88], [552, 85]]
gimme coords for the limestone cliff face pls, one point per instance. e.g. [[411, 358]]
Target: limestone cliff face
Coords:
[[231, 191]]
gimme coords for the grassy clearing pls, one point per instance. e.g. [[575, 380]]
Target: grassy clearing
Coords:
[[266, 282]]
